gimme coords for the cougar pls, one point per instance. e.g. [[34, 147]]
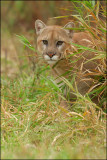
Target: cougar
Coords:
[[55, 44]]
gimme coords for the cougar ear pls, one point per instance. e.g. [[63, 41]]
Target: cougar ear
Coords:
[[69, 28], [39, 26]]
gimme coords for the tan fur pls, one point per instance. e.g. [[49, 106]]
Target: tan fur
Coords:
[[63, 64]]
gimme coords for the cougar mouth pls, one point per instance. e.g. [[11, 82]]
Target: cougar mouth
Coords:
[[54, 58]]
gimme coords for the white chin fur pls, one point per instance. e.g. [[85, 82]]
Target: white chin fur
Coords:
[[55, 58], [52, 60], [46, 57]]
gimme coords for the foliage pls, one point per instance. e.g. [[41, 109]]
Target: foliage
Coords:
[[96, 28], [34, 125]]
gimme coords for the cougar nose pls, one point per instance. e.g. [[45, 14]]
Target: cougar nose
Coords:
[[51, 54]]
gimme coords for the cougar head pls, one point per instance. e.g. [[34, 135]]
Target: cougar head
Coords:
[[53, 41]]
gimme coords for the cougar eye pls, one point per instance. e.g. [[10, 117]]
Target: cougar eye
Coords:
[[45, 42], [59, 43]]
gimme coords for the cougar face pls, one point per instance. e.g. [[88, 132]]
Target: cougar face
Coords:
[[52, 41]]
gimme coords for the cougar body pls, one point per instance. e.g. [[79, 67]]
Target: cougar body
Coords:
[[55, 45]]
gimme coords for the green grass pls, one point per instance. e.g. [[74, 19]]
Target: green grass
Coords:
[[35, 126]]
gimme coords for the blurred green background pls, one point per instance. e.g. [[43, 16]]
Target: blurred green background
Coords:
[[18, 18], [21, 15]]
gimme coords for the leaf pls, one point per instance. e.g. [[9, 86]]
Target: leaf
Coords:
[[62, 16], [96, 57], [26, 43], [87, 48]]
